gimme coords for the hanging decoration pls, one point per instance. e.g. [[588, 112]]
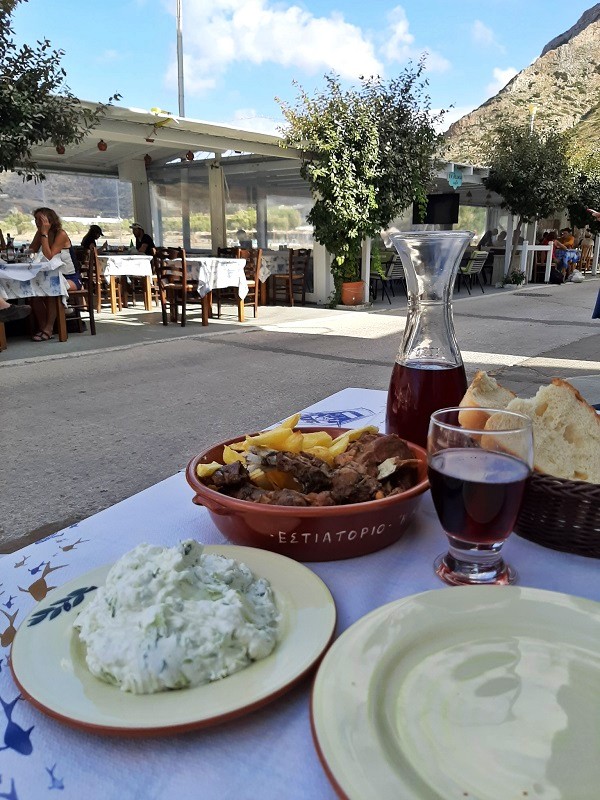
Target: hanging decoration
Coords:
[[147, 159], [189, 156], [60, 149], [102, 146]]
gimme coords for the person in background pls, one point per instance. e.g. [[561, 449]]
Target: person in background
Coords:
[[488, 238], [243, 239], [587, 247], [143, 241], [2, 241], [501, 239], [51, 240], [91, 237], [567, 239], [9, 312]]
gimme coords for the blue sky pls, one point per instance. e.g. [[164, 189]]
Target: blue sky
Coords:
[[240, 54]]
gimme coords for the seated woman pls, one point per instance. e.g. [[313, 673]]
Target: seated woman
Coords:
[[51, 240], [91, 237]]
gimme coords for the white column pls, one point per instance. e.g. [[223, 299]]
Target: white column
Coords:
[[322, 278], [134, 171], [366, 268], [261, 215], [216, 197], [185, 207], [508, 243]]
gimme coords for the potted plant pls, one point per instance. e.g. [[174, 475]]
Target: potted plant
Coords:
[[367, 153]]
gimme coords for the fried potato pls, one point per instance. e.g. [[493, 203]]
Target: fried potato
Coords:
[[324, 453], [260, 479], [282, 480], [230, 455], [316, 439], [291, 422], [273, 439], [239, 446], [206, 470]]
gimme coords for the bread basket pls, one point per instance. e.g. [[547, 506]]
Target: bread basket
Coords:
[[561, 514]]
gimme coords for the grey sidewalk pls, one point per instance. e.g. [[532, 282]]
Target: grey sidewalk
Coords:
[[89, 422]]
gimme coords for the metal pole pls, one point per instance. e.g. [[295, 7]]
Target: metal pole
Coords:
[[180, 61]]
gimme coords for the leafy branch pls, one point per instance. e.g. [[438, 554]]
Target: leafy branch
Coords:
[[73, 599]]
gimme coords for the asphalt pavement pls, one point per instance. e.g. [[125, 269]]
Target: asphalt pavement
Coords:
[[90, 422]]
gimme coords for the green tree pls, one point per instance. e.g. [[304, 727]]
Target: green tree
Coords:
[[36, 105], [530, 170], [367, 153], [586, 191]]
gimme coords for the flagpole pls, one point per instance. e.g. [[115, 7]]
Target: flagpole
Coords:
[[180, 61]]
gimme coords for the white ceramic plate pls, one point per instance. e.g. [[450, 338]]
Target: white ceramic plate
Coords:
[[48, 662], [486, 693]]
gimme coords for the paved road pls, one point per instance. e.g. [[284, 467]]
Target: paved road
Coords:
[[85, 426]]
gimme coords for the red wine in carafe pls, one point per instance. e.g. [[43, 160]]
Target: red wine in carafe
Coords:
[[416, 392]]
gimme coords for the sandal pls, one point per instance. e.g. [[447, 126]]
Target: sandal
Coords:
[[42, 336]]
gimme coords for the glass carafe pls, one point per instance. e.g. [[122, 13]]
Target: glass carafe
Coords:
[[429, 372]]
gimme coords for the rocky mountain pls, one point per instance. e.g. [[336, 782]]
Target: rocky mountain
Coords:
[[563, 84]]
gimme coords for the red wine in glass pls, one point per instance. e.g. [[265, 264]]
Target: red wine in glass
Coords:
[[416, 391], [477, 493]]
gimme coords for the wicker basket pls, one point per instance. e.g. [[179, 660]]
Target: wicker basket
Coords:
[[561, 514]]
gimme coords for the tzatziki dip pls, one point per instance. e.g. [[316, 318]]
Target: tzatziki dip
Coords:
[[173, 617]]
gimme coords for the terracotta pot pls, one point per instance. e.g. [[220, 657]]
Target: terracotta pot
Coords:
[[353, 294], [309, 534]]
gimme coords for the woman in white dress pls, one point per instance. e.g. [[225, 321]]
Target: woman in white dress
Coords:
[[51, 240]]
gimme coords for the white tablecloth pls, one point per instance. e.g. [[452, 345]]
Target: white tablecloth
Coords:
[[121, 266], [273, 262], [216, 273], [268, 754], [40, 278]]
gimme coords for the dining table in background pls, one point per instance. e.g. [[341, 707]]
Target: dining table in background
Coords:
[[216, 273], [268, 753], [115, 266], [272, 262], [24, 279]]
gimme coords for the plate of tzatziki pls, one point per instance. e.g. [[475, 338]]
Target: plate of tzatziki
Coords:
[[173, 639]]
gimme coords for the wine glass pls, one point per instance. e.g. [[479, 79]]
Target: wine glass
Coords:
[[477, 481]]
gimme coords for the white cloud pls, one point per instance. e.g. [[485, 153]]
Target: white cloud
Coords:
[[108, 56], [399, 44], [222, 33], [501, 78]]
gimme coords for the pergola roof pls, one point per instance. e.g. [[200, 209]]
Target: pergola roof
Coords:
[[130, 133]]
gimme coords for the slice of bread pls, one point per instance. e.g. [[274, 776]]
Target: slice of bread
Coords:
[[566, 431], [484, 392]]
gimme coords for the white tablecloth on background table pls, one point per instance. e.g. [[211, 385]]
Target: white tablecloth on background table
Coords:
[[216, 273], [268, 754], [126, 266], [273, 262], [38, 278]]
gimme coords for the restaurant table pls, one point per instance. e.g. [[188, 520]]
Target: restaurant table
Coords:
[[38, 278], [216, 273], [272, 262], [114, 266], [269, 753]]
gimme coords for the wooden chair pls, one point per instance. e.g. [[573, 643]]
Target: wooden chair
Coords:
[[395, 274], [2, 337], [295, 279], [472, 269], [253, 258], [176, 288], [101, 286], [83, 299]]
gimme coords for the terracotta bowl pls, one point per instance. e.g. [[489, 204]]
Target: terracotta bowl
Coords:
[[309, 534]]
